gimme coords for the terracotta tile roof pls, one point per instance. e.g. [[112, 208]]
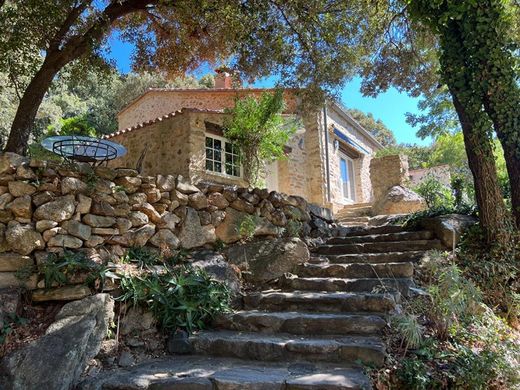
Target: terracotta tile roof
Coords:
[[159, 119]]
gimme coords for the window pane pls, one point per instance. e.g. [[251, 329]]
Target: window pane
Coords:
[[218, 155], [209, 165], [209, 153], [218, 167], [229, 169], [229, 148], [209, 142], [217, 144]]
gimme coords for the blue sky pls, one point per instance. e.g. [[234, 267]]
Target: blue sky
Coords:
[[390, 106]]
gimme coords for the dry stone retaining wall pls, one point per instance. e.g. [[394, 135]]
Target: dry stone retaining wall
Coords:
[[50, 207]]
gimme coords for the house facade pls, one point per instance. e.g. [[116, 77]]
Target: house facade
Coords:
[[179, 131]]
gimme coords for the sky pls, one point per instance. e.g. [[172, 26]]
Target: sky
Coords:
[[390, 106]]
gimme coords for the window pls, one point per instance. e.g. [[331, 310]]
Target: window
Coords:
[[346, 169], [222, 156]]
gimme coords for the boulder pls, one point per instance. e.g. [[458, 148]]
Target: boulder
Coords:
[[56, 360], [165, 238], [229, 230], [20, 188], [193, 234], [23, 239], [72, 185], [77, 229], [266, 260], [399, 200], [21, 207], [57, 210], [449, 228], [217, 267]]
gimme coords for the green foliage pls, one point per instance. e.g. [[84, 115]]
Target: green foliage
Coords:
[[247, 227], [9, 321], [434, 193], [417, 155], [179, 297], [413, 220], [375, 126], [259, 130], [293, 228], [77, 125], [143, 256], [57, 270]]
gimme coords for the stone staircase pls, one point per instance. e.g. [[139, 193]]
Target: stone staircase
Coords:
[[332, 311], [314, 330]]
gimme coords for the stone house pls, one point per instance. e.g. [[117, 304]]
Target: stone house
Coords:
[[179, 131]]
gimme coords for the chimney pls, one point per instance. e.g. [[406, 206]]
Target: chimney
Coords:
[[223, 79]]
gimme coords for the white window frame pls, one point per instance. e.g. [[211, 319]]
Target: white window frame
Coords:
[[353, 178], [224, 141]]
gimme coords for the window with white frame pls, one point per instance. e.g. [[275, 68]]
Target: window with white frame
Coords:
[[222, 156]]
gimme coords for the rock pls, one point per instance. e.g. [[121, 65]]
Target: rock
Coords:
[[138, 218], [121, 197], [120, 172], [45, 225], [193, 234], [166, 183], [293, 212], [277, 217], [105, 172], [20, 188], [137, 199], [141, 235], [72, 185], [399, 200], [205, 218], [67, 293], [218, 200], [12, 262], [198, 201], [153, 195], [218, 268], [25, 172], [276, 199], [9, 303], [103, 208], [5, 199], [77, 229], [126, 359], [179, 344], [94, 241], [321, 212], [10, 161], [229, 230], [58, 210], [84, 204], [268, 259], [165, 237], [242, 205], [12, 279], [136, 320], [123, 225], [170, 220], [42, 197], [21, 207], [56, 360], [150, 212], [185, 186], [23, 239], [105, 231], [98, 220], [449, 228], [217, 217], [103, 186], [6, 216], [65, 241], [129, 183], [230, 193], [250, 197], [179, 198]]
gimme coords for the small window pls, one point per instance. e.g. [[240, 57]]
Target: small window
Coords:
[[222, 157]]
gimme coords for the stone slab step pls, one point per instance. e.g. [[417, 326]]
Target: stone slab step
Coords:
[[380, 247], [372, 258], [213, 373], [292, 282], [348, 350], [364, 231], [356, 270], [327, 302], [302, 323], [383, 237]]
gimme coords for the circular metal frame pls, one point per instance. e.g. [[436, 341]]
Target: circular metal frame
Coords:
[[89, 150]]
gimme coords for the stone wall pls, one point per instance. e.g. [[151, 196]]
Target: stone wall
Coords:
[[46, 207]]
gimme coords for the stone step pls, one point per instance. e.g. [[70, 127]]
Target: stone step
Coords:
[[276, 300], [302, 323], [364, 231], [348, 350], [385, 237], [214, 373], [389, 257], [380, 247], [292, 282], [356, 270]]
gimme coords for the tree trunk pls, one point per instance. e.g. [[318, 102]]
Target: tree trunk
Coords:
[[479, 149], [28, 108]]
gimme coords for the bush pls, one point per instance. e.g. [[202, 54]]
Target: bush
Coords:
[[179, 296], [435, 193]]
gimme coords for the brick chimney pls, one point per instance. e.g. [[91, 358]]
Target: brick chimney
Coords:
[[223, 79]]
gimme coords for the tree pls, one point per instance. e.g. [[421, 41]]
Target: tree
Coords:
[[375, 126], [258, 129], [316, 44], [417, 155]]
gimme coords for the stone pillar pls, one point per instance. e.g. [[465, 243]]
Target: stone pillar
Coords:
[[387, 172]]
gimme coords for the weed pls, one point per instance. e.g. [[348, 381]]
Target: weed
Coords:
[[247, 227], [293, 228]]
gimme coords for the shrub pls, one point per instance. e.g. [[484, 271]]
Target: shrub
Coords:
[[247, 227], [435, 193]]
